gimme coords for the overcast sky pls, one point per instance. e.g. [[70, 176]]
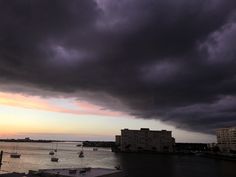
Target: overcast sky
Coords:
[[164, 61]]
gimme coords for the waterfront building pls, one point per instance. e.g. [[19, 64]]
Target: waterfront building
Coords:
[[226, 139], [145, 140], [27, 139], [118, 140]]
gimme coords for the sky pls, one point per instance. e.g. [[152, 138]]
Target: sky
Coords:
[[86, 69]]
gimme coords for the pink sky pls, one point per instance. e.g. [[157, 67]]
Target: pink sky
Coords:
[[35, 102]]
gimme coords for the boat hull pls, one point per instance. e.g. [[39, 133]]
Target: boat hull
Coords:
[[54, 159], [17, 156]]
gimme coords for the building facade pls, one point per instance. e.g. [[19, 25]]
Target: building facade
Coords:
[[145, 140], [226, 139]]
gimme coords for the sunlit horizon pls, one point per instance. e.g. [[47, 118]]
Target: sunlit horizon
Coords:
[[72, 120]]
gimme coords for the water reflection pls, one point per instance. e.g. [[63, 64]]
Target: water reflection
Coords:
[[35, 156]]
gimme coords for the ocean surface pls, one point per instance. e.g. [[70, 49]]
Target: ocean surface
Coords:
[[36, 156]]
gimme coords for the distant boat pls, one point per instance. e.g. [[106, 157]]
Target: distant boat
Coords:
[[55, 150], [117, 167], [54, 159], [81, 154], [15, 155], [51, 153]]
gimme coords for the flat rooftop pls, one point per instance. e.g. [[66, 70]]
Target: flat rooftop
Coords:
[[85, 172]]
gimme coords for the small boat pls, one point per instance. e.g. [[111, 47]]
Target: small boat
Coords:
[[51, 153], [81, 154], [95, 149], [54, 159], [55, 150], [15, 155], [117, 167]]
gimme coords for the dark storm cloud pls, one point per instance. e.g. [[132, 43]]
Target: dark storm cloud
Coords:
[[161, 59]]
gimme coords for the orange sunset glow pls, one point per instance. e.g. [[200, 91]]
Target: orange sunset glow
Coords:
[[35, 102]]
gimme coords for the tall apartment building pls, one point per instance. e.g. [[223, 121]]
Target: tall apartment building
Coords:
[[226, 139], [145, 140]]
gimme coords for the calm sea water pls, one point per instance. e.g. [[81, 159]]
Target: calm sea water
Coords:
[[35, 156]]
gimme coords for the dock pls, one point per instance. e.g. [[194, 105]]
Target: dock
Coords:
[[85, 172], [69, 172]]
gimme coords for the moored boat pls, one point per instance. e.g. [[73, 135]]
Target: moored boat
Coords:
[[54, 159], [15, 155], [51, 153], [95, 149], [81, 154]]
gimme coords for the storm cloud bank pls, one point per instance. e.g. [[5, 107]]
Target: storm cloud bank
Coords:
[[155, 59]]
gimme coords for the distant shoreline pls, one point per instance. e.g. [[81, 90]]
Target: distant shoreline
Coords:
[[27, 141], [85, 143]]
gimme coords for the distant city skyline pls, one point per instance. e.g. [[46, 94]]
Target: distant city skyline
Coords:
[[84, 69]]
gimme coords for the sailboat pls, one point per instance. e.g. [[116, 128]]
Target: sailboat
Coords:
[[81, 154], [52, 151], [55, 150], [54, 158], [15, 154]]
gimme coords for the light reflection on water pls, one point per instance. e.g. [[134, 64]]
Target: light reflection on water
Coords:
[[35, 156]]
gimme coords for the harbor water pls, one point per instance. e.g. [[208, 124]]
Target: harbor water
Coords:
[[36, 156]]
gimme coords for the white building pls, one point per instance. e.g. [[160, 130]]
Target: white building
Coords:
[[226, 139], [145, 140]]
